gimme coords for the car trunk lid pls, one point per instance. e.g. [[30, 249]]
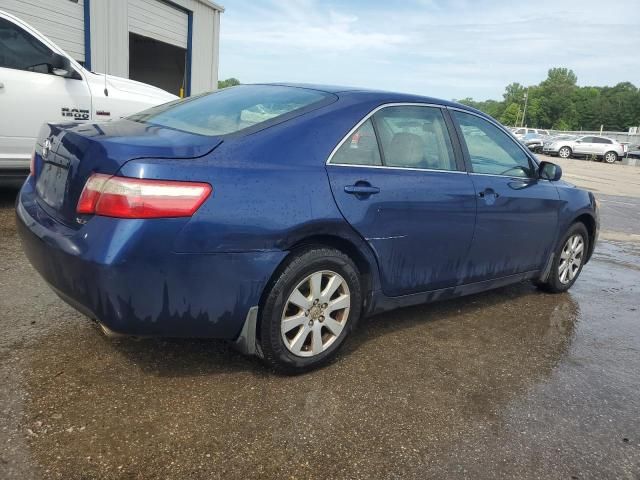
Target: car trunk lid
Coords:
[[68, 154]]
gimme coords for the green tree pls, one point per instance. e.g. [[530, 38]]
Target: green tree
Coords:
[[511, 115], [514, 93], [229, 82], [557, 102]]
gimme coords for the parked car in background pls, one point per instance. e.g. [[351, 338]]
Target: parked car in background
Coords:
[[279, 231], [40, 83], [602, 148], [521, 132], [534, 141], [634, 151]]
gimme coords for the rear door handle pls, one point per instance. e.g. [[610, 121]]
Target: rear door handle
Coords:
[[361, 189]]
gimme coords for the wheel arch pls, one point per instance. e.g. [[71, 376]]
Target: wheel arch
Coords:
[[356, 249], [589, 222]]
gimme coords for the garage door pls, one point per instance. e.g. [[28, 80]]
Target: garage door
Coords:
[[61, 21], [158, 20]]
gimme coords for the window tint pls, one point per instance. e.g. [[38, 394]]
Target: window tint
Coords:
[[361, 148], [531, 130], [586, 140], [230, 110], [491, 150], [20, 51], [601, 140], [520, 131], [414, 137]]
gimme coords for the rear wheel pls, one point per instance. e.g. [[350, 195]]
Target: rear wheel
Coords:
[[610, 157], [564, 152], [568, 260], [310, 309]]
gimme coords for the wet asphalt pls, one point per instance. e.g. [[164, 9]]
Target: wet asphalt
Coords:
[[512, 383]]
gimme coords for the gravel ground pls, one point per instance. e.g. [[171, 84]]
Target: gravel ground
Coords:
[[512, 383]]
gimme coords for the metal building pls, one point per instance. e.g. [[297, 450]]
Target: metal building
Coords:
[[172, 44]]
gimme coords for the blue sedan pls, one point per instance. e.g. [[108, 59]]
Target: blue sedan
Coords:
[[276, 216]]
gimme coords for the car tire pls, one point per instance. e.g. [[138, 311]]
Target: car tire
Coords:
[[565, 152], [297, 329], [568, 260], [610, 157]]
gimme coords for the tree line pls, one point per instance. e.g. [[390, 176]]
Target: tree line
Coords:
[[558, 103]]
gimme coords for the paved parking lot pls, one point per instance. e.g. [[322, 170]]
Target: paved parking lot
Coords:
[[512, 383]]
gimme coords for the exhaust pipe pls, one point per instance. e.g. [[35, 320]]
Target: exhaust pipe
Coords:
[[108, 332]]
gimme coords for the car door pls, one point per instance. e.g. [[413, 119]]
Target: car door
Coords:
[[602, 145], [399, 180], [585, 146], [517, 214], [31, 95]]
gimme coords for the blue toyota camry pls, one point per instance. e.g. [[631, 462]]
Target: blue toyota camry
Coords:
[[275, 216]]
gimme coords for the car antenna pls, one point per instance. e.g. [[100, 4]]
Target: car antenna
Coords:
[[106, 57]]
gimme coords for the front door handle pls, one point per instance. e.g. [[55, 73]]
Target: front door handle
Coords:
[[361, 189], [489, 195], [488, 192]]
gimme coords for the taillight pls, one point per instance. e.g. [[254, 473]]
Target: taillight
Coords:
[[125, 197]]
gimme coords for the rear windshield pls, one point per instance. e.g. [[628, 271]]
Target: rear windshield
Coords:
[[230, 110]]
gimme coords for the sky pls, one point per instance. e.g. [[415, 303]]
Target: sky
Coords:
[[449, 49]]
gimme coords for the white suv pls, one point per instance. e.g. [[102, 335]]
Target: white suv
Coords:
[[588, 145]]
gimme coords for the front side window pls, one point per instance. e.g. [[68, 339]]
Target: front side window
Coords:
[[491, 150], [231, 109], [21, 51], [414, 137], [361, 148]]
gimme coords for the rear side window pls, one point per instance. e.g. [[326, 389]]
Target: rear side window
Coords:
[[491, 150], [601, 140], [361, 148], [232, 109], [414, 137], [21, 51]]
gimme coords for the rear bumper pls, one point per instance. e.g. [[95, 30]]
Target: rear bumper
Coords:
[[121, 273]]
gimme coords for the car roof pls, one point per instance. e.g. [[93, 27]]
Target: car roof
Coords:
[[382, 95]]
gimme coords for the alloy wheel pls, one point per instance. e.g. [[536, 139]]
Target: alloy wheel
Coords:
[[610, 157], [315, 313], [564, 152], [571, 258]]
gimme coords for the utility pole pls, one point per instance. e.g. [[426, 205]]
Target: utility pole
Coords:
[[524, 113]]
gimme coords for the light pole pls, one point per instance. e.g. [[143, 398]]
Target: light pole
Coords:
[[526, 97]]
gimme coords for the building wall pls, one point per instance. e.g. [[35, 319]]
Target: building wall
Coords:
[[61, 21], [110, 27]]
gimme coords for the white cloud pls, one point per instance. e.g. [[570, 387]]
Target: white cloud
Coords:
[[443, 48]]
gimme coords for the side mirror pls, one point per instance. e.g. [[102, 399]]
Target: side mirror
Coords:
[[60, 65], [550, 171]]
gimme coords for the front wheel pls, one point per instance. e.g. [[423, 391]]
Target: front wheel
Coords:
[[310, 309], [564, 152], [568, 260], [610, 157]]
